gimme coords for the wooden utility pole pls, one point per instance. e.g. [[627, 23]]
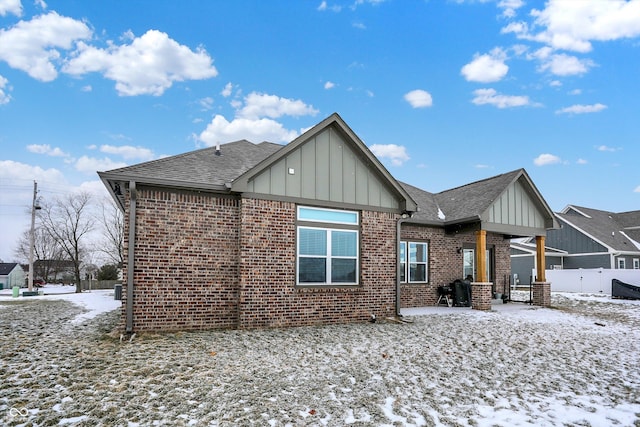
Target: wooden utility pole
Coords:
[[32, 234]]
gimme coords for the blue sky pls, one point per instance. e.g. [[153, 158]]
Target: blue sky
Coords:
[[443, 92]]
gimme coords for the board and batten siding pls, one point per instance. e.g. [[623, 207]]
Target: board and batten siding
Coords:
[[325, 168], [516, 207]]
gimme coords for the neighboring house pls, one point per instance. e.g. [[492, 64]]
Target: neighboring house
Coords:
[[11, 274], [588, 238], [317, 231], [523, 260]]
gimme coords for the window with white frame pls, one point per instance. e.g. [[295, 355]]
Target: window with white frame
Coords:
[[621, 264], [636, 263], [416, 269], [328, 248]]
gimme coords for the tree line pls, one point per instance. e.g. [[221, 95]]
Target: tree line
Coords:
[[72, 233]]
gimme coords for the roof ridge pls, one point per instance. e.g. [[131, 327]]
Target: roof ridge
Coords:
[[178, 156], [513, 172]]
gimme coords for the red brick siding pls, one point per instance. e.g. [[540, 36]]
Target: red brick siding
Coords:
[[206, 261], [269, 297], [186, 261], [445, 263]]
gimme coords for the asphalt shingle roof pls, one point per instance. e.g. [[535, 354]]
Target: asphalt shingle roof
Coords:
[[606, 226], [6, 268], [466, 202], [203, 166]]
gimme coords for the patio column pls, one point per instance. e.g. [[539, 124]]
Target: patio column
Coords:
[[540, 287], [481, 289]]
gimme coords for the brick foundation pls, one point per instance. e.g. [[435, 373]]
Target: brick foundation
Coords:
[[481, 293], [541, 293]]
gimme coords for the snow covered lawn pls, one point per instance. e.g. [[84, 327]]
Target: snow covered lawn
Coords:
[[574, 364]]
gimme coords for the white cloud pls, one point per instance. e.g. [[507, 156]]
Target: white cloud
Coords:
[[4, 87], [582, 161], [10, 6], [206, 103], [254, 120], [566, 65], [324, 6], [149, 65], [46, 149], [226, 92], [128, 152], [12, 170], [582, 109], [607, 148], [546, 159], [492, 97], [575, 92], [572, 25], [396, 153], [220, 130], [359, 26], [33, 46], [86, 88], [637, 190], [509, 7], [264, 105], [486, 68], [91, 165], [419, 98], [329, 85]]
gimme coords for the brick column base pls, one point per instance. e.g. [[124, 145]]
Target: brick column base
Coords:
[[481, 295], [541, 293]]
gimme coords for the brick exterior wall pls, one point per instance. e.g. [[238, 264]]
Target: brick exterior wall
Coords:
[[186, 268], [268, 293], [445, 263], [206, 261]]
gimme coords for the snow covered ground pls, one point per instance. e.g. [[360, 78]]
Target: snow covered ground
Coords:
[[575, 364]]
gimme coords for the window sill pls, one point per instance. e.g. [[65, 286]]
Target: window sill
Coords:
[[327, 288]]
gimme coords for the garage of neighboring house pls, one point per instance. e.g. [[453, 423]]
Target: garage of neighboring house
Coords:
[[313, 232]]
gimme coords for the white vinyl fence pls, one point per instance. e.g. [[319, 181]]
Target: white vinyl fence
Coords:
[[590, 280]]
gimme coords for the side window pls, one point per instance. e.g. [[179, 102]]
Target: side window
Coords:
[[621, 264], [328, 247], [414, 262]]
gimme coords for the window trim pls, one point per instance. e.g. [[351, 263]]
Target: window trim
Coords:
[[636, 263], [407, 265], [328, 226], [621, 264]]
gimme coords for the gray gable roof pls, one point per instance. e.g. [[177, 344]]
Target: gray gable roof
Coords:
[[7, 267], [207, 168], [230, 169], [610, 229], [470, 201]]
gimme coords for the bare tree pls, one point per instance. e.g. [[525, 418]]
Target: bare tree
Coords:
[[69, 221], [112, 224], [49, 260]]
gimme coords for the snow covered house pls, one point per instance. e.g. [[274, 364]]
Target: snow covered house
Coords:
[[316, 231]]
